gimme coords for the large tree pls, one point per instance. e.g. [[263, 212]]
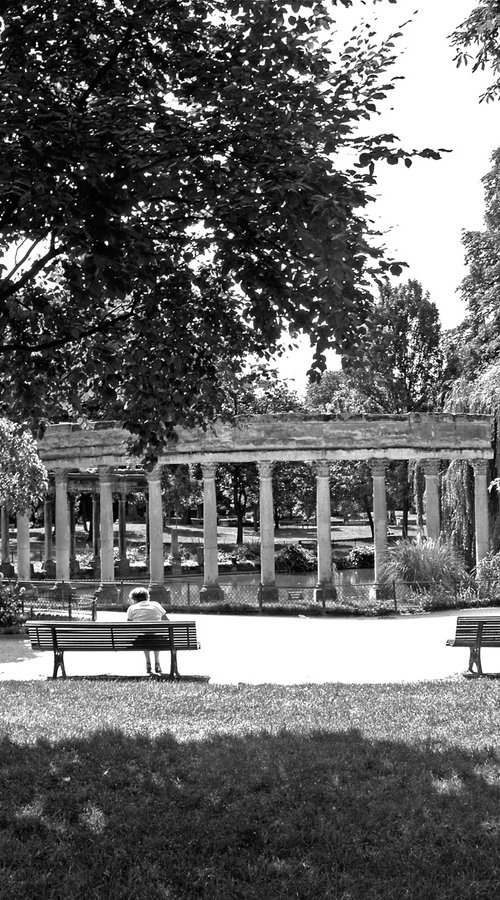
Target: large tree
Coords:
[[171, 195], [400, 366], [479, 333]]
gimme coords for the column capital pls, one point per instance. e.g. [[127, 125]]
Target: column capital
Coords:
[[322, 468], [265, 468], [61, 476], [378, 467], [431, 466], [154, 474], [480, 466], [209, 469], [105, 474]]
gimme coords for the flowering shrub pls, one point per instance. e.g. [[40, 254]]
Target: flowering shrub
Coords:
[[294, 559], [357, 558], [11, 613]]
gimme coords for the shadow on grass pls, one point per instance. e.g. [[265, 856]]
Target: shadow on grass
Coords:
[[316, 815]]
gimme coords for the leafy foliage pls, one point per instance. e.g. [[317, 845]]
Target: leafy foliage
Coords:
[[479, 32], [294, 558], [23, 476], [357, 558], [171, 195], [398, 366], [11, 612]]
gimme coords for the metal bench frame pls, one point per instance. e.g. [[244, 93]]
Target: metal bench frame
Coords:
[[476, 632]]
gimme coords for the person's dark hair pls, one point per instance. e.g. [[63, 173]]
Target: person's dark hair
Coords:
[[138, 595]]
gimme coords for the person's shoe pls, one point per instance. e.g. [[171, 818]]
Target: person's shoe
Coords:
[[158, 670], [148, 670]]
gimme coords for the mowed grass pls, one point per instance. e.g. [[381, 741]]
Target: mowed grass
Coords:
[[125, 789]]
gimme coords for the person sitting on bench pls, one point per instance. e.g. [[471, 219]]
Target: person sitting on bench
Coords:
[[143, 609]]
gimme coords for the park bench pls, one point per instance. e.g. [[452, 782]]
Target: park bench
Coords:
[[60, 636], [476, 632]]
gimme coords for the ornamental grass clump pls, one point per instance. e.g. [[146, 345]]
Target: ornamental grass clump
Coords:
[[425, 565], [488, 576]]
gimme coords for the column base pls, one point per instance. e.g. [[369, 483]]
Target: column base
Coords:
[[107, 594], [159, 592], [49, 568], [123, 568], [325, 593], [382, 592], [211, 593], [268, 593], [62, 591]]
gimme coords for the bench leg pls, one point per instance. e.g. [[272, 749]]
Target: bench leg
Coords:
[[59, 663], [174, 671], [475, 660]]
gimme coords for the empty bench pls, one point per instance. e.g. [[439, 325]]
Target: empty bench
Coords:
[[475, 632], [62, 636]]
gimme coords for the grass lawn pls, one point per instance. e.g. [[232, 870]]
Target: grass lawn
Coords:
[[125, 789]]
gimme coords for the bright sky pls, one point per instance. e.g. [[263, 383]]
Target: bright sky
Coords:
[[424, 209]]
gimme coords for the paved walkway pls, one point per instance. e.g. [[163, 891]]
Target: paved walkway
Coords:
[[257, 650]]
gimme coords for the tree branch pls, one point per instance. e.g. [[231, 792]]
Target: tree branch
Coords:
[[13, 288]]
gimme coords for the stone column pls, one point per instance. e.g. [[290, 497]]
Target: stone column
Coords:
[[49, 566], [431, 469], [23, 548], [62, 525], [156, 558], [96, 535], [6, 567], [325, 589], [107, 592], [74, 567], [148, 543], [268, 589], [211, 591], [378, 467], [47, 529], [123, 564], [481, 470]]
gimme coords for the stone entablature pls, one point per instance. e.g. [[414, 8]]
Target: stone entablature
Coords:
[[290, 437]]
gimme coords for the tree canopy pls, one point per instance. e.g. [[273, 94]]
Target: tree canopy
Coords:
[[399, 365], [180, 179]]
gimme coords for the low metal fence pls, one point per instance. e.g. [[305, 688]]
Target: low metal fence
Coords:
[[83, 600]]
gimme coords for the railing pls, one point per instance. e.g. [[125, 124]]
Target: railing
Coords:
[[83, 600]]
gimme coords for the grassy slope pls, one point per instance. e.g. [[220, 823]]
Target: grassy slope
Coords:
[[124, 789]]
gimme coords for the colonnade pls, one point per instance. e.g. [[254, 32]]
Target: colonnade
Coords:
[[103, 537]]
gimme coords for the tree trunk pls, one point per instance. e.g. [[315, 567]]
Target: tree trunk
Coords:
[[405, 496], [418, 493], [366, 504], [240, 506]]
